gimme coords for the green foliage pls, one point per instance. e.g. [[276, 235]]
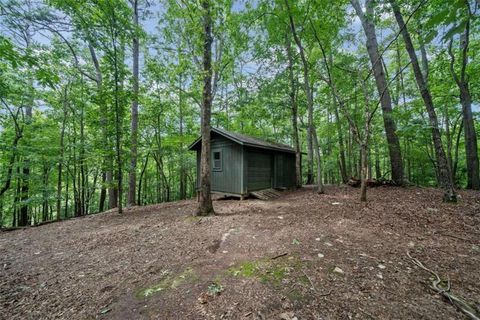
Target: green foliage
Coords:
[[47, 65]]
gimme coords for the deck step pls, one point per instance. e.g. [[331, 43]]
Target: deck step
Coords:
[[266, 194]]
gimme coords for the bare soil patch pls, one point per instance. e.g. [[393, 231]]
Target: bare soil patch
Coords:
[[303, 255]]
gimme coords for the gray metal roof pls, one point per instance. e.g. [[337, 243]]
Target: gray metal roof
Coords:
[[246, 141]]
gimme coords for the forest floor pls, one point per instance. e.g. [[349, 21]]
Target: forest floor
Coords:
[[303, 255]]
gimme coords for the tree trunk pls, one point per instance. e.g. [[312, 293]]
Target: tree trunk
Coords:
[[142, 173], [60, 161], [183, 182], [11, 163], [471, 147], [341, 144], [318, 158], [363, 171], [457, 145], [294, 108], [107, 161], [378, 171], [118, 118], [443, 168], [382, 87], [24, 190], [82, 159], [65, 214], [309, 156], [132, 178], [309, 95], [205, 205], [103, 193]]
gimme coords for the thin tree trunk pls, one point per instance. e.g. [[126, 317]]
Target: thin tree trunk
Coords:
[[142, 173], [107, 177], [65, 214], [470, 135], [118, 125], [82, 159], [443, 168], [183, 182], [44, 193], [132, 178], [11, 163], [318, 158], [16, 199], [363, 172], [294, 108], [24, 190], [308, 92], [449, 138], [457, 145], [382, 87], [341, 144], [205, 205], [378, 171], [103, 193], [60, 161]]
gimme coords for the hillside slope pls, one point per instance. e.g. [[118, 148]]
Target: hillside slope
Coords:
[[305, 255]]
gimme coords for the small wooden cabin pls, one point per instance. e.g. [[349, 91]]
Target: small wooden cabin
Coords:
[[241, 164]]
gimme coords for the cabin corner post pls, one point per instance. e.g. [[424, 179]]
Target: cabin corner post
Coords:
[[244, 175]]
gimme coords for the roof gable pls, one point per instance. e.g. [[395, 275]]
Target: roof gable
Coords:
[[246, 141]]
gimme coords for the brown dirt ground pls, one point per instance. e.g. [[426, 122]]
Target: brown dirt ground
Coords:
[[100, 266]]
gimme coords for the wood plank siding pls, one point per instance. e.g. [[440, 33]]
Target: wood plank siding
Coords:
[[229, 178], [238, 167], [259, 170]]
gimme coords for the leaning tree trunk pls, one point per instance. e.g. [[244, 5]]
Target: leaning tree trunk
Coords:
[[382, 87], [205, 205], [132, 176], [444, 170]]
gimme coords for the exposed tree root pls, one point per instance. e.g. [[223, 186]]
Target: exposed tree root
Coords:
[[444, 291]]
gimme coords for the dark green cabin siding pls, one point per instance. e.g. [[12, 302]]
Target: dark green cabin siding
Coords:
[[246, 168], [229, 178], [284, 170], [259, 169]]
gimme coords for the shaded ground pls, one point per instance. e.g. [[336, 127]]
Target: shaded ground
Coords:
[[158, 262]]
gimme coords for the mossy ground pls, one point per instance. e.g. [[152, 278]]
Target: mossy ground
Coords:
[[269, 271], [168, 281], [284, 274]]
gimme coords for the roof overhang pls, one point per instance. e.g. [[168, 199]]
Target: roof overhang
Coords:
[[195, 145]]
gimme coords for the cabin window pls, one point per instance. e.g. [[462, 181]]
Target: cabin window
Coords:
[[217, 160]]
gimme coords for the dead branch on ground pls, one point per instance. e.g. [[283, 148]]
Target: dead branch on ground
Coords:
[[444, 291]]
